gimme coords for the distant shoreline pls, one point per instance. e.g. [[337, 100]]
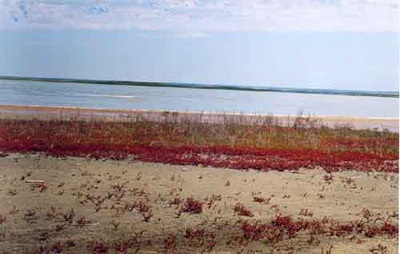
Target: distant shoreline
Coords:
[[388, 94], [50, 112]]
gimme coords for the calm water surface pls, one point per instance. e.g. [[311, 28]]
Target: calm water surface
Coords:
[[182, 99]]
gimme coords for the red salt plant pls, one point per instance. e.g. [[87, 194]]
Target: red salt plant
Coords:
[[147, 215], [328, 178], [329, 251], [130, 207], [175, 201], [371, 231], [119, 196], [241, 210], [391, 230], [60, 227], [69, 216], [210, 201], [119, 186], [315, 227], [194, 235], [341, 229], [358, 226], [135, 241], [261, 200], [82, 221], [366, 214], [254, 232], [121, 248], [192, 206], [42, 187], [57, 247], [69, 243], [313, 240], [380, 249], [306, 212], [3, 218], [143, 207], [99, 247], [170, 244], [285, 223], [210, 246]]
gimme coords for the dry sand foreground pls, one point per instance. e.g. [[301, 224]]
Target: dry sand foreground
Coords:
[[35, 217]]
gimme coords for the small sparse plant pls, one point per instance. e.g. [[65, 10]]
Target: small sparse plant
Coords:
[[82, 221], [380, 249], [2, 218], [121, 248], [170, 244], [241, 210], [328, 178], [99, 247], [175, 201], [306, 212], [261, 200], [69, 216], [191, 205]]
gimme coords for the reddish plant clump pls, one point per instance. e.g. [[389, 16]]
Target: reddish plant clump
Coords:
[[192, 206], [121, 248], [57, 247], [391, 230], [69, 243], [3, 218], [99, 247], [170, 244], [254, 232], [328, 178], [261, 200], [175, 201], [306, 212], [241, 210], [194, 235], [82, 221]]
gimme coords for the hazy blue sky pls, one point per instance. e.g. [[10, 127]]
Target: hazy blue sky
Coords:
[[348, 44]]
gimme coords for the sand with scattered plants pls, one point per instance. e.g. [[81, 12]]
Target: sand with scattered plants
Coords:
[[104, 206]]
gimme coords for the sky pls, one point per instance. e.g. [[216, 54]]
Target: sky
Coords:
[[336, 44]]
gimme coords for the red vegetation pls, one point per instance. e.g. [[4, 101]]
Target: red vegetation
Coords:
[[328, 178], [306, 212], [284, 227], [241, 210], [3, 218], [82, 221], [256, 147], [176, 201], [261, 200], [170, 244], [121, 248], [194, 235], [192, 206], [99, 247]]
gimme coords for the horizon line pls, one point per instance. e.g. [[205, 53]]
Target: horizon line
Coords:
[[327, 91]]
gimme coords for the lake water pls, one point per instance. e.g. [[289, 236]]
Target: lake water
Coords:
[[185, 99]]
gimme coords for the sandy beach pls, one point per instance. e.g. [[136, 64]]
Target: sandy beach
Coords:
[[36, 217]]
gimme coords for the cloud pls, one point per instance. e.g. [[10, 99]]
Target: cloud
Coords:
[[199, 17]]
